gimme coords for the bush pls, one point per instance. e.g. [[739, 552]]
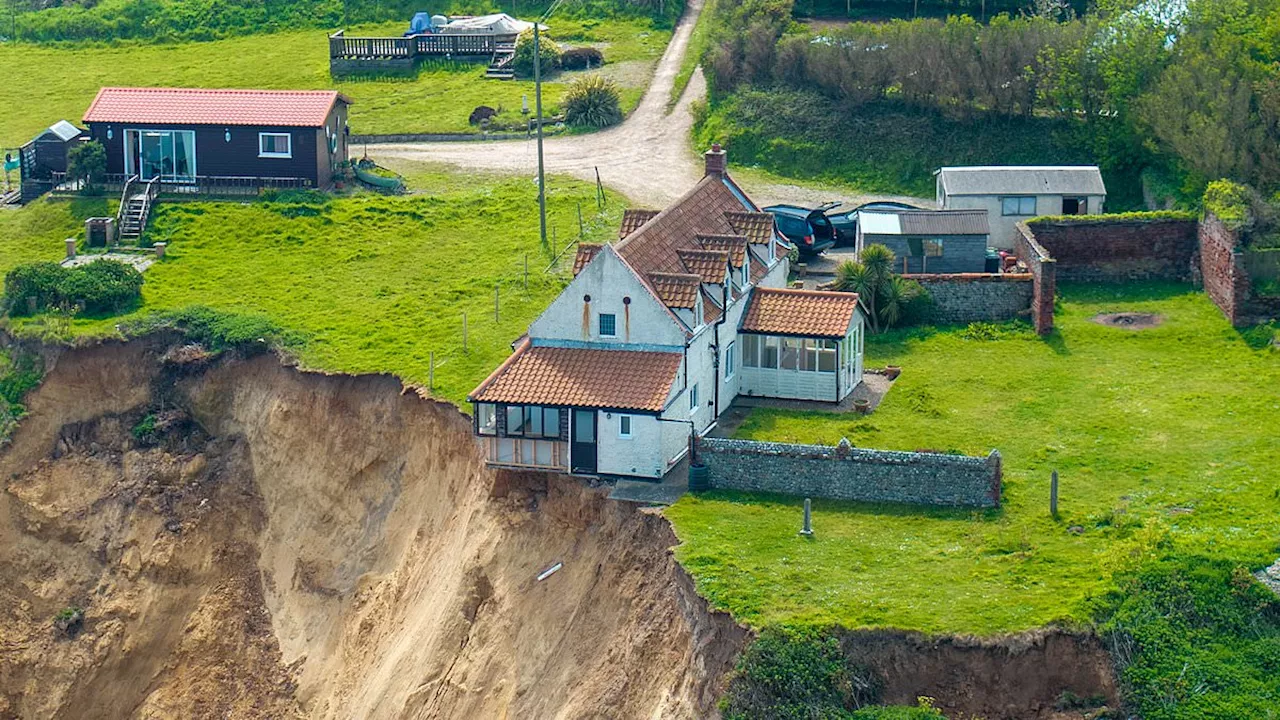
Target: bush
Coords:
[[523, 61], [583, 58], [1230, 202], [592, 101], [792, 674], [87, 161], [102, 286]]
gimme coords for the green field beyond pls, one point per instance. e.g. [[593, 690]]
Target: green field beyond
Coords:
[[372, 283], [39, 89], [1166, 439]]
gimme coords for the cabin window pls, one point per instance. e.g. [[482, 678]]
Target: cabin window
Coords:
[[769, 352], [921, 247], [533, 421], [827, 356], [608, 325], [486, 419], [1018, 206], [750, 351], [729, 361], [275, 145], [693, 399], [790, 359], [624, 427]]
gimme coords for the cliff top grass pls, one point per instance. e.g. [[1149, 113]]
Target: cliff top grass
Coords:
[[1164, 438], [52, 83], [367, 283]]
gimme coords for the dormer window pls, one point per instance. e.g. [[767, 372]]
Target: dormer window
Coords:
[[608, 325]]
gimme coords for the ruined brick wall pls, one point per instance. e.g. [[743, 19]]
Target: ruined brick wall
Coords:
[[962, 298], [1043, 268], [846, 473], [1222, 268], [1119, 250]]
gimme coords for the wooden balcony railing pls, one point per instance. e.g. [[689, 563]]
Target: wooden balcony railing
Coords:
[[202, 185], [415, 46]]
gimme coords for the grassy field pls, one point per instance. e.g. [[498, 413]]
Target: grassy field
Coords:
[[1164, 438], [44, 84], [373, 283]]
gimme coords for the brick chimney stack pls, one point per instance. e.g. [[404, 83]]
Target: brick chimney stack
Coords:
[[716, 162]]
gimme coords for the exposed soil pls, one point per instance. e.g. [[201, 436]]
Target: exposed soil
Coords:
[[1129, 320], [272, 543]]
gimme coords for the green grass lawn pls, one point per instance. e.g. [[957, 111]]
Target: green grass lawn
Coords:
[[1164, 438], [373, 283], [44, 84]]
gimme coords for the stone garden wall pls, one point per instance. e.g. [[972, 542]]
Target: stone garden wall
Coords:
[[1043, 269], [1222, 269], [962, 298], [847, 473], [1119, 249]]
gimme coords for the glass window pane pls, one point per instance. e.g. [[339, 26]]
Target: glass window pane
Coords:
[[584, 426], [790, 354], [827, 358], [533, 420], [486, 418], [1028, 206], [769, 358], [551, 422], [1009, 206], [608, 325], [750, 350], [624, 425], [515, 419]]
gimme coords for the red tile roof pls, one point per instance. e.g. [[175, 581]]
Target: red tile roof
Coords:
[[756, 226], [710, 265], [701, 211], [735, 245], [191, 106], [677, 290], [808, 313], [576, 377], [586, 253], [632, 219]]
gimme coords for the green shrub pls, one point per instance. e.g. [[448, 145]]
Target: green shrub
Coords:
[[1230, 202], [523, 61], [592, 101], [792, 674], [87, 161], [1138, 216], [102, 286], [581, 58], [39, 281]]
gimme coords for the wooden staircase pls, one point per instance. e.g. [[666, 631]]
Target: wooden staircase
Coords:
[[500, 66], [135, 207]]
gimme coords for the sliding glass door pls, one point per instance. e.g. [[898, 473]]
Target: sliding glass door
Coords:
[[167, 154]]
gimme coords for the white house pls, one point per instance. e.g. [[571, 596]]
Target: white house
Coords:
[[658, 333], [1011, 193]]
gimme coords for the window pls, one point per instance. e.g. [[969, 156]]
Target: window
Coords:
[[1074, 206], [486, 419], [693, 399], [729, 361], [1018, 206], [608, 325], [809, 355], [515, 420], [551, 422], [922, 247], [750, 351], [624, 427], [746, 269], [532, 421], [275, 145], [790, 357], [769, 352], [827, 356]]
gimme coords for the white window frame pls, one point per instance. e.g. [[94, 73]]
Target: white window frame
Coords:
[[288, 138], [693, 399], [730, 367], [626, 427], [600, 325]]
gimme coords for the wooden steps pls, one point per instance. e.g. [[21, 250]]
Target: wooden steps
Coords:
[[133, 219], [500, 66]]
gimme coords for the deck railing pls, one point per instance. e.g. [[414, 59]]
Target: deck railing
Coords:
[[201, 185], [415, 46]]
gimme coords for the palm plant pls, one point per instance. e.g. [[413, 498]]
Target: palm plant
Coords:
[[895, 295]]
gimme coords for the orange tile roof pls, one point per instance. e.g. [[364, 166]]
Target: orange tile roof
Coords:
[[198, 106], [577, 377], [711, 265], [807, 313], [677, 290], [701, 211], [632, 219], [710, 311], [735, 245], [757, 227], [586, 253]]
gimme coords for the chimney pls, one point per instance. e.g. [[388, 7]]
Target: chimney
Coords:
[[715, 160]]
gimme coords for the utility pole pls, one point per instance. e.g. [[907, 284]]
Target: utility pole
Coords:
[[537, 95]]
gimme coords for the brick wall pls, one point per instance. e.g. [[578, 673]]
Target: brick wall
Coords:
[[962, 298], [1222, 269], [847, 473], [1043, 268], [1119, 250]]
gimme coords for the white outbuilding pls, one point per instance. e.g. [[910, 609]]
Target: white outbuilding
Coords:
[[1013, 193]]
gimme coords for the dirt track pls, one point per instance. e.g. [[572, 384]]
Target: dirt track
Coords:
[[647, 158]]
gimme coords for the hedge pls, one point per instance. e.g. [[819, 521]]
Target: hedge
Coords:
[[102, 286]]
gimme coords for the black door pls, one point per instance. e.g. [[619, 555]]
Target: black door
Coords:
[[582, 452]]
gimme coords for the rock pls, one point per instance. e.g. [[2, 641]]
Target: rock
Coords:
[[1076, 530], [484, 112]]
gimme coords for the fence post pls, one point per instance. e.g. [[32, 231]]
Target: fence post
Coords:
[[581, 230], [1053, 494]]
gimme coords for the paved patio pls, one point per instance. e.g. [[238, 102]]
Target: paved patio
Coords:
[[139, 261]]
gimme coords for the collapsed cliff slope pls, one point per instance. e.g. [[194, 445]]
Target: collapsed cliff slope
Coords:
[[247, 540]]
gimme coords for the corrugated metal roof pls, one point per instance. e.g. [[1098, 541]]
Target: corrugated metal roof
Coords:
[[1022, 180], [925, 222], [196, 106]]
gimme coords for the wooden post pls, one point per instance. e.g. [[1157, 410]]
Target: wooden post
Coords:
[[1053, 494], [807, 530], [581, 230]]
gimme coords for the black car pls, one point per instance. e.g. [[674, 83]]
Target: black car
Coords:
[[808, 229]]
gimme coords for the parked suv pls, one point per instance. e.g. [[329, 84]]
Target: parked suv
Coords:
[[808, 229]]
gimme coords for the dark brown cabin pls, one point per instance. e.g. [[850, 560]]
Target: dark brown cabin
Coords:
[[187, 135]]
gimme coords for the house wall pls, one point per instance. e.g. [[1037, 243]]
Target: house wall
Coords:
[[644, 322], [641, 456], [960, 253], [217, 157], [1114, 250], [845, 473], [978, 297], [1004, 228], [327, 160]]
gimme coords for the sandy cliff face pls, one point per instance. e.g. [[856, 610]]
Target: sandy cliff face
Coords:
[[285, 544]]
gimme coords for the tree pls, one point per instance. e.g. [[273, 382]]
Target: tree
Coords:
[[87, 161]]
